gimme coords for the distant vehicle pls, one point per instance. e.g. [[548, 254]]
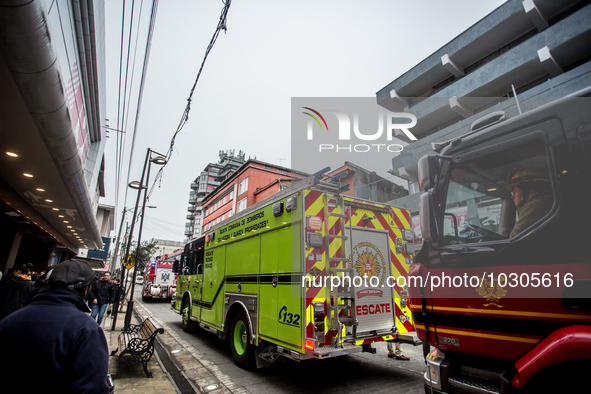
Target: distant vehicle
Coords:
[[160, 280], [139, 280]]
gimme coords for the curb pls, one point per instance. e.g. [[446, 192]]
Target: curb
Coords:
[[190, 363]]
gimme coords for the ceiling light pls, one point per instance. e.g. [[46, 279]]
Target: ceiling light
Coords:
[[55, 209], [69, 226], [49, 200], [60, 216], [65, 221], [75, 233], [72, 230], [11, 154], [40, 190], [28, 175]]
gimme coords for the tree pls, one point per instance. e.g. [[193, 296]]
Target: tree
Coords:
[[147, 249]]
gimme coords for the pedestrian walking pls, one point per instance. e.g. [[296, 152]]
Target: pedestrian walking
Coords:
[[54, 340], [102, 293], [14, 290], [117, 289]]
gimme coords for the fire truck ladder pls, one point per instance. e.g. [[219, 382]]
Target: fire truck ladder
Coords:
[[341, 298]]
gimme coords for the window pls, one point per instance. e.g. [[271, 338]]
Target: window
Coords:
[[197, 221], [230, 213], [498, 196], [241, 205], [243, 186], [224, 200], [231, 195]]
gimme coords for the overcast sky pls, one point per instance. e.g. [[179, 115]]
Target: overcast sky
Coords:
[[272, 51]]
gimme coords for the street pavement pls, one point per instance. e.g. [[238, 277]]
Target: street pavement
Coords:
[[193, 362], [194, 377], [202, 359]]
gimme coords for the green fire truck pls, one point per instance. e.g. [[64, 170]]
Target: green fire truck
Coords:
[[306, 273]]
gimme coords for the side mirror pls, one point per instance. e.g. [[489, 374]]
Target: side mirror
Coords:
[[175, 267], [428, 168], [427, 217]]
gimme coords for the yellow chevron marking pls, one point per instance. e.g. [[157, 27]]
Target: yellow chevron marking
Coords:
[[401, 328], [405, 223], [315, 208]]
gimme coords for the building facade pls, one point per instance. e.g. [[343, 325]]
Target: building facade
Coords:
[[252, 182], [367, 185], [167, 247], [520, 56], [209, 179], [52, 113]]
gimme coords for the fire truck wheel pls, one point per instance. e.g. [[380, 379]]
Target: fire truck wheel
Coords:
[[187, 323], [242, 349]]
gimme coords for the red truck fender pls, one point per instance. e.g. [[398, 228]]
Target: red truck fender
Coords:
[[565, 344]]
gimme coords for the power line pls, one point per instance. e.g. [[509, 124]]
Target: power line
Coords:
[[143, 80], [118, 153], [185, 117]]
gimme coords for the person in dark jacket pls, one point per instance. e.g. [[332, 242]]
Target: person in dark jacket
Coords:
[[102, 293], [15, 290], [54, 340]]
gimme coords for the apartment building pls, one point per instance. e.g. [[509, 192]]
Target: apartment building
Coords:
[[252, 182]]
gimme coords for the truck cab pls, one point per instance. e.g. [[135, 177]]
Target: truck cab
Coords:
[[502, 285]]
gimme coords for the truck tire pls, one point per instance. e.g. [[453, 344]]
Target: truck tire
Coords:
[[242, 350], [185, 313]]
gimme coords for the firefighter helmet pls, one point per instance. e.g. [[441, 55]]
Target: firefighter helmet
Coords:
[[529, 175]]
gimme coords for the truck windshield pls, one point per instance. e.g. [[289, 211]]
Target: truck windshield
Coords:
[[486, 197]]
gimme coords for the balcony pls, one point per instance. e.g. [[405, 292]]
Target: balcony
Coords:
[[191, 216], [191, 208], [188, 232], [194, 185], [192, 200]]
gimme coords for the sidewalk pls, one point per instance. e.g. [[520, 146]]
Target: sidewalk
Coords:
[[174, 367]]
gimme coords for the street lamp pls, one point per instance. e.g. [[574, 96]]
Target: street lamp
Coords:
[[116, 251], [115, 258], [160, 160]]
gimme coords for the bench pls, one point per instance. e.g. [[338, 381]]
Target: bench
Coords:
[[136, 344]]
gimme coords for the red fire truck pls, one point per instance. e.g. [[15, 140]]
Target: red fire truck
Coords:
[[502, 285], [160, 281]]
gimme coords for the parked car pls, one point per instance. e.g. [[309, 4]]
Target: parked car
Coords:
[[139, 280]]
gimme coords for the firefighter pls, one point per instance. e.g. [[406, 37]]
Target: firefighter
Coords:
[[532, 195]]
